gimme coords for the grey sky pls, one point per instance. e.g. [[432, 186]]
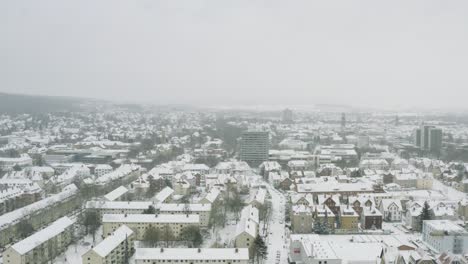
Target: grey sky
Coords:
[[371, 53]]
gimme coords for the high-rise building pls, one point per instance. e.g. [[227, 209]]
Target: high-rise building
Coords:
[[254, 147], [343, 121], [428, 138], [287, 116], [435, 139]]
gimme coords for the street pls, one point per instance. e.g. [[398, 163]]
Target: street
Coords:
[[276, 236]]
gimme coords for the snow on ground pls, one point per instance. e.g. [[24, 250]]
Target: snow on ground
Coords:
[[74, 252], [222, 236], [276, 237], [450, 192]]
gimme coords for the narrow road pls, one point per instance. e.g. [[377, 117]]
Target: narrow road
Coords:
[[276, 239]]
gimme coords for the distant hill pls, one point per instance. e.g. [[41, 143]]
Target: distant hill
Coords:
[[19, 104]]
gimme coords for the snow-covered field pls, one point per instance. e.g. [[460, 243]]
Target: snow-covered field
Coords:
[[450, 192], [74, 252]]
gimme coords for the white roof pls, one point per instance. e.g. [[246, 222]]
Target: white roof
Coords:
[[250, 212], [118, 205], [103, 167], [151, 218], [248, 226], [212, 195], [115, 194], [169, 207], [43, 235], [445, 225], [112, 241], [191, 254], [334, 187], [16, 215], [195, 167], [164, 194], [387, 202]]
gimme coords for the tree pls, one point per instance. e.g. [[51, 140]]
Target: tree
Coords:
[[150, 210], [235, 203], [167, 234], [425, 214], [152, 236], [321, 228], [153, 188], [17, 167], [24, 229], [260, 249], [193, 235], [91, 221], [217, 217]]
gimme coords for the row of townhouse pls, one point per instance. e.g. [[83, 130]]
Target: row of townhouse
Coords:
[[137, 207], [39, 213], [192, 255], [139, 223], [247, 229], [42, 246], [116, 248]]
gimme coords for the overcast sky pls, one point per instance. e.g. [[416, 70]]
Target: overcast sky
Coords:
[[370, 53]]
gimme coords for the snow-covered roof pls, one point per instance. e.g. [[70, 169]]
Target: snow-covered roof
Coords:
[[43, 235], [246, 225], [195, 167], [174, 207], [103, 167], [16, 215], [164, 194], [111, 242], [250, 212], [386, 203], [212, 195], [151, 218], [120, 172], [136, 205], [116, 193], [192, 254], [334, 187]]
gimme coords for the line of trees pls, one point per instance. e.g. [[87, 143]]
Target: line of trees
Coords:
[[190, 234]]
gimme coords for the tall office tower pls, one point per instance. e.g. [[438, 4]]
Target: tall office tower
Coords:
[[343, 121], [435, 139], [417, 137], [254, 147], [287, 116], [428, 138]]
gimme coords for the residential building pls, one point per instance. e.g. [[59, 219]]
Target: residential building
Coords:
[[39, 213], [115, 248], [102, 169], [391, 209], [192, 255], [445, 235], [42, 246], [254, 147], [349, 219], [117, 194], [140, 222], [371, 218]]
